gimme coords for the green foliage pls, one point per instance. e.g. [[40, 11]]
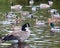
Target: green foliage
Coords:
[[23, 2], [4, 6]]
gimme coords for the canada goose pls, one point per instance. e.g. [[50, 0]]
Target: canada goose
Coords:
[[45, 6], [20, 35], [16, 7], [53, 11]]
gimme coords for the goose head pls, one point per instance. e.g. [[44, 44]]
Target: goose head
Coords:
[[25, 27], [50, 2]]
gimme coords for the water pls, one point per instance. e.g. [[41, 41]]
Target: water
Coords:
[[41, 37]]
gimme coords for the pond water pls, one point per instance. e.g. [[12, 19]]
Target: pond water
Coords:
[[40, 37]]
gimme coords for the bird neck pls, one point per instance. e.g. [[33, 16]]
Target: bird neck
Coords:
[[27, 29]]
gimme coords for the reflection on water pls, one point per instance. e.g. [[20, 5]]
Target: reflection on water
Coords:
[[20, 45]]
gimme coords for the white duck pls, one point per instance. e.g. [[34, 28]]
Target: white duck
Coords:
[[21, 35]]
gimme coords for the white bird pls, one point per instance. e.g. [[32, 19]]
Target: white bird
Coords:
[[21, 35], [16, 7]]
